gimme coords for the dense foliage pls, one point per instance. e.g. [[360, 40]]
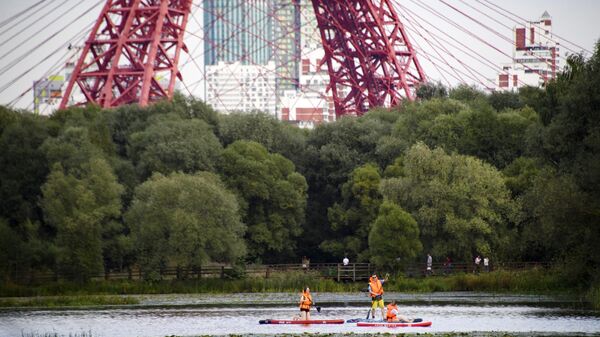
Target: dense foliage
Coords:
[[511, 176]]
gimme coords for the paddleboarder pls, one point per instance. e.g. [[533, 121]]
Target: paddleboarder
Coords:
[[376, 292], [393, 314], [306, 302]]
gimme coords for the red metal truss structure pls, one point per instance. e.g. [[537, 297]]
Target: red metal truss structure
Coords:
[[132, 53], [369, 57]]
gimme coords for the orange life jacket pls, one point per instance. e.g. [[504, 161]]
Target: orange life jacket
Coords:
[[376, 287], [389, 314], [306, 301]]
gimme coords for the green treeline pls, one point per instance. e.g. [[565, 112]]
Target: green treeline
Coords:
[[511, 176]]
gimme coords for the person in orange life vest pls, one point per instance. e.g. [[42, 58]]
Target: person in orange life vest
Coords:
[[376, 292], [393, 314], [305, 303]]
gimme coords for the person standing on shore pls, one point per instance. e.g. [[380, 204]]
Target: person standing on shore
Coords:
[[477, 263], [429, 265]]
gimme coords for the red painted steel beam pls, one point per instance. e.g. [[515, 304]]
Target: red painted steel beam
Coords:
[[132, 53], [370, 59]]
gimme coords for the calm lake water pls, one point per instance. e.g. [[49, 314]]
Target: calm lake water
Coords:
[[189, 315]]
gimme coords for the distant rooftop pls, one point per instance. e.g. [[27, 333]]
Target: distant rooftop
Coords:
[[546, 15]]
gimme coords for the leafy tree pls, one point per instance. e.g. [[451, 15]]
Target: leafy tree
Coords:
[[466, 93], [563, 225], [394, 236], [432, 90], [501, 100], [432, 122], [497, 138], [94, 120], [351, 219], [79, 205], [23, 166], [334, 151], [171, 144], [82, 203], [184, 221], [21, 250], [274, 135], [272, 198], [565, 201], [460, 203], [474, 129], [538, 100], [521, 173]]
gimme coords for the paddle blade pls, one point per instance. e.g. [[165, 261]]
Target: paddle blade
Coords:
[[417, 320], [318, 309]]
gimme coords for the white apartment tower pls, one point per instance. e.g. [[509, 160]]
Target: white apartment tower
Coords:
[[237, 87], [535, 56]]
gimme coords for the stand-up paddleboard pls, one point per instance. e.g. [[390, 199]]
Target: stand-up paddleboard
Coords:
[[356, 320], [393, 324], [308, 321]]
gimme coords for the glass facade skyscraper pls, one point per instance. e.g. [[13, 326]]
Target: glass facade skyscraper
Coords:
[[238, 31]]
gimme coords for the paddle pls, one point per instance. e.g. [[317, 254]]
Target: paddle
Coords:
[[368, 313], [317, 307]]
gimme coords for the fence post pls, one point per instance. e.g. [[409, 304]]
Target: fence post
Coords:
[[222, 272], [268, 272], [354, 272], [338, 272]]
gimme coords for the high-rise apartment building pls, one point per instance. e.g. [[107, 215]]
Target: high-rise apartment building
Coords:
[[266, 55], [535, 56], [250, 37], [286, 43], [237, 87]]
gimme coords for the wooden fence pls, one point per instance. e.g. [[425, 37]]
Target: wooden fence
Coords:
[[336, 271]]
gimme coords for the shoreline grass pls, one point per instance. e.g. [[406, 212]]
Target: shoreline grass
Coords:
[[535, 281], [67, 301]]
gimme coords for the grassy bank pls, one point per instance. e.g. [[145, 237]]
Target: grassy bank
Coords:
[[67, 301], [593, 296], [279, 282], [532, 281]]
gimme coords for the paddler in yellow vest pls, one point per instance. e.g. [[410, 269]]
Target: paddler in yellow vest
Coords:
[[305, 302], [376, 292]]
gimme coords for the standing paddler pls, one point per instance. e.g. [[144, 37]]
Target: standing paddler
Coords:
[[376, 292], [305, 302]]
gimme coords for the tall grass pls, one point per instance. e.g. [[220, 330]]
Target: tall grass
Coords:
[[593, 295], [277, 282], [530, 281], [68, 301], [54, 334]]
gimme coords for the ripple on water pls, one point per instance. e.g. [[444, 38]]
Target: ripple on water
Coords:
[[188, 315]]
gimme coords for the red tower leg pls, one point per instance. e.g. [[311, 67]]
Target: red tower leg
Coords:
[[132, 53], [369, 57]]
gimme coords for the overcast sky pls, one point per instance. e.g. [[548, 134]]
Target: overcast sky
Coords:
[[576, 21]]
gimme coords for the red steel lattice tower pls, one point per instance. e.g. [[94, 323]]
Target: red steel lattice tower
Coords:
[[132, 53], [369, 57]]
